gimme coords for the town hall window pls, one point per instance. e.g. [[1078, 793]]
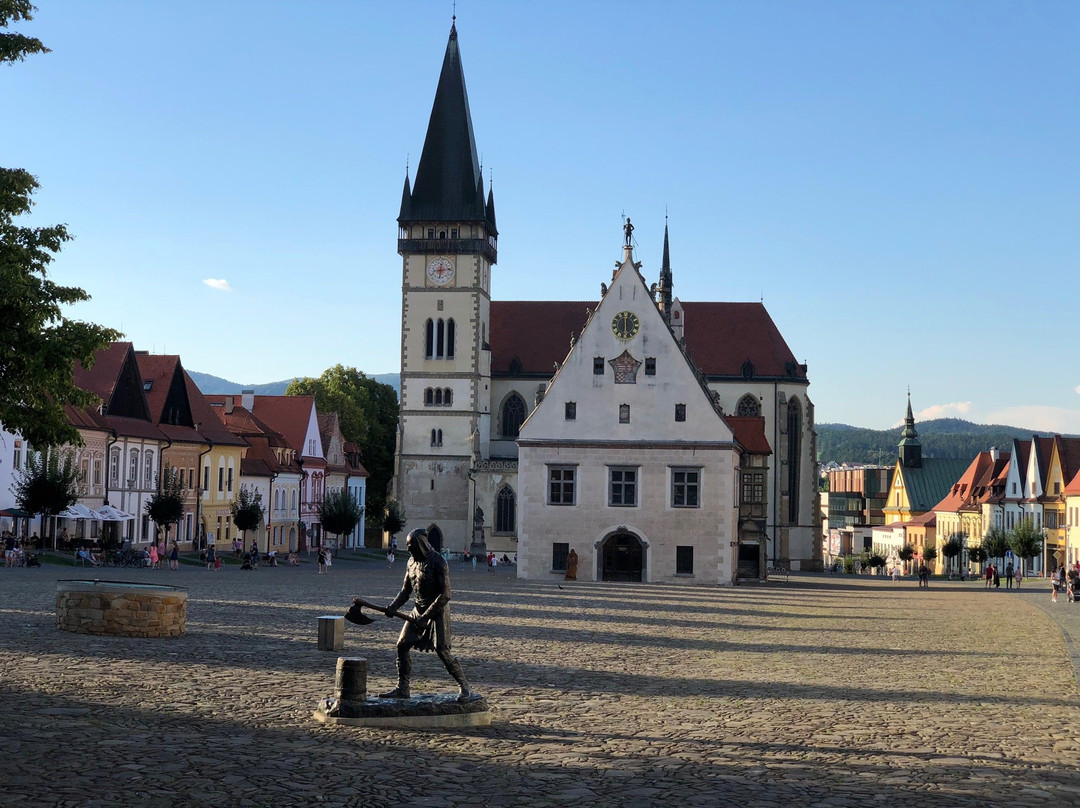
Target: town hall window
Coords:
[[650, 366], [571, 410], [622, 487], [561, 485], [684, 560], [598, 366], [624, 413], [685, 488], [513, 416], [680, 412]]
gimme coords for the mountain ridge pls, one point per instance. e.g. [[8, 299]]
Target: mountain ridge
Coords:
[[210, 385]]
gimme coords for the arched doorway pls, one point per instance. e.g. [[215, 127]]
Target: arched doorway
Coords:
[[622, 558], [434, 537]]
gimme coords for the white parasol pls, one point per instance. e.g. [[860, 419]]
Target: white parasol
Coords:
[[107, 513]]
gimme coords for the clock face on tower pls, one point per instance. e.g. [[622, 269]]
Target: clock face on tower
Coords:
[[625, 325], [440, 271]]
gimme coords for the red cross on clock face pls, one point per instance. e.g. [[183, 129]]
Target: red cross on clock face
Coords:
[[440, 271]]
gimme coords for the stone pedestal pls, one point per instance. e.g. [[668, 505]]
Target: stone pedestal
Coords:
[[351, 706], [332, 633]]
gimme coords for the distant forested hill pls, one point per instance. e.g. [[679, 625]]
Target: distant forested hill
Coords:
[[943, 437], [215, 385]]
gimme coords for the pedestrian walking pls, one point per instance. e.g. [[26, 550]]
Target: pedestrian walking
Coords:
[[924, 576], [1019, 577], [174, 557], [997, 578], [1009, 569], [988, 575], [390, 558], [1055, 584], [154, 559], [211, 557]]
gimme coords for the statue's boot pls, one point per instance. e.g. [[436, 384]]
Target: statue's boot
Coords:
[[404, 667], [453, 667]]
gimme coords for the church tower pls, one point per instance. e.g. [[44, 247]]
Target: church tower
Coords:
[[448, 243], [910, 446]]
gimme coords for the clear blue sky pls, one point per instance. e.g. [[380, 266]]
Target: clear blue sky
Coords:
[[898, 181]]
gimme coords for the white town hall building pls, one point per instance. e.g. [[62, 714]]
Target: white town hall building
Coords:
[[662, 440]]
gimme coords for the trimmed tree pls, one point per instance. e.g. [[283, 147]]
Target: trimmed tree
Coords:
[[39, 345], [929, 555], [906, 553], [996, 542], [977, 555], [166, 506], [247, 511], [48, 483], [953, 547], [340, 513], [1026, 542]]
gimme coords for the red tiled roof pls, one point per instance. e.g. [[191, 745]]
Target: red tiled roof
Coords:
[[101, 378], [1074, 485], [207, 421], [719, 336], [1070, 456], [960, 493], [288, 415], [750, 433]]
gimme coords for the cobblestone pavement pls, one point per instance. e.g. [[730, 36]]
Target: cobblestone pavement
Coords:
[[822, 691]]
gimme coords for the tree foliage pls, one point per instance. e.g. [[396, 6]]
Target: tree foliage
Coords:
[[15, 47], [929, 553], [996, 542], [38, 344], [166, 506], [394, 518], [977, 555], [340, 513], [48, 483], [1025, 540], [368, 413], [247, 510], [906, 553]]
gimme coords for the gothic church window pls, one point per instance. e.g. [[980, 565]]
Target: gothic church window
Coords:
[[748, 406], [794, 450], [505, 510], [513, 416]]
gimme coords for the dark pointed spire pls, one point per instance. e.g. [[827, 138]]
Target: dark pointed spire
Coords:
[[406, 200], [666, 282], [910, 446], [448, 177], [491, 205]]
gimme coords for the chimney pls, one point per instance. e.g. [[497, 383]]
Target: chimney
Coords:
[[995, 453], [229, 403], [247, 400]]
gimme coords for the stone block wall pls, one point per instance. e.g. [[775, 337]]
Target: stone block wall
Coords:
[[132, 613]]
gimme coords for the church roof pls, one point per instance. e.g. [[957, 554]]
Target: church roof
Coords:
[[750, 433], [928, 485], [720, 338], [449, 185]]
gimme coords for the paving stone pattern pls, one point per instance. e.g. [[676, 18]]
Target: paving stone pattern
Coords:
[[824, 691]]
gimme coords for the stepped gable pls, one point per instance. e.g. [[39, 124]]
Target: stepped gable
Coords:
[[529, 336]]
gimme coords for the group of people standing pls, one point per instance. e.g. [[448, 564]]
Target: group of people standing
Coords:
[[1065, 579], [992, 576]]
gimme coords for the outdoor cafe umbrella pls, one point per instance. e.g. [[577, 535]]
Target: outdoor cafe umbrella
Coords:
[[16, 513], [107, 513], [77, 511]]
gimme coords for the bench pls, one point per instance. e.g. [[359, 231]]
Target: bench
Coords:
[[776, 573]]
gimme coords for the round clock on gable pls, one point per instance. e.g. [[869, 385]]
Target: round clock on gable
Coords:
[[440, 271], [625, 325]]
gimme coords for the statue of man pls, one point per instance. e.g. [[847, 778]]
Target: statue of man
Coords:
[[427, 582], [628, 229]]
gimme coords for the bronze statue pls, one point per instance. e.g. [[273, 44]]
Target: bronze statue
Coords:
[[628, 229], [427, 582], [571, 566]]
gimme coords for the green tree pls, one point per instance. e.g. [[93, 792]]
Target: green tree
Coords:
[[368, 413], [38, 344], [340, 513], [1025, 541], [48, 483], [996, 542], [166, 506], [929, 555], [977, 555], [906, 553], [394, 518], [953, 547], [247, 510]]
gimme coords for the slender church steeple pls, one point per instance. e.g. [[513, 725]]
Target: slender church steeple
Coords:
[[910, 447], [449, 186], [665, 277]]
